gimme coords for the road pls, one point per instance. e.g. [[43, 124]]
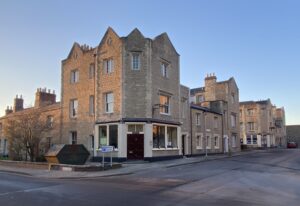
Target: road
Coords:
[[265, 178]]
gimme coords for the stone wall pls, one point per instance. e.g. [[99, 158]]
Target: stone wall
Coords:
[[79, 59]]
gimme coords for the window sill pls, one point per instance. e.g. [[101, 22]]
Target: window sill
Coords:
[[167, 114], [100, 150], [163, 149], [199, 148]]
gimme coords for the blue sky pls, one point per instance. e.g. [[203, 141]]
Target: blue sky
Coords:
[[255, 41]]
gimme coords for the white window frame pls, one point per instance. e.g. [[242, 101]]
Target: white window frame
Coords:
[[216, 142], [106, 126], [135, 61], [199, 141], [166, 137], [108, 65], [74, 108], [233, 140], [164, 67], [208, 141], [135, 124], [109, 102], [216, 122], [233, 120], [198, 119], [74, 76], [250, 112], [251, 126], [167, 105]]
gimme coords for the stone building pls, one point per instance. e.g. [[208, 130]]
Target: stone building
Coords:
[[78, 86], [206, 131], [49, 110], [293, 133], [126, 92], [280, 127], [262, 124], [221, 97], [137, 96]]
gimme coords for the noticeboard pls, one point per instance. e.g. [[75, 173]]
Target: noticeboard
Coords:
[[106, 149]]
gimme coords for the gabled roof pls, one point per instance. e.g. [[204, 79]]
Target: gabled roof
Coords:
[[231, 79], [75, 45], [134, 32], [109, 30], [166, 37]]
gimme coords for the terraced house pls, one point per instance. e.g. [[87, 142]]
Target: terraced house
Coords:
[[262, 124], [223, 98], [46, 110], [126, 92]]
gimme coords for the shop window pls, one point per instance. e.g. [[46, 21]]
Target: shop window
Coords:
[[172, 137]]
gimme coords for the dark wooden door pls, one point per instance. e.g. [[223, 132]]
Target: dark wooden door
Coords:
[[135, 146], [183, 145]]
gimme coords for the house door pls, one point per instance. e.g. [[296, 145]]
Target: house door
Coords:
[[183, 144], [135, 146]]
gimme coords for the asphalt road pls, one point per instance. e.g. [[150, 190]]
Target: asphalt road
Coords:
[[265, 178]]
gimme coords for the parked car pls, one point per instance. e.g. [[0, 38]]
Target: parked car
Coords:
[[292, 145]]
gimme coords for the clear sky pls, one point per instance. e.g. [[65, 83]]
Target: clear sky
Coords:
[[255, 41]]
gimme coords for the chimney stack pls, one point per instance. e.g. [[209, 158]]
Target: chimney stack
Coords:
[[44, 97], [210, 79], [18, 103], [8, 110]]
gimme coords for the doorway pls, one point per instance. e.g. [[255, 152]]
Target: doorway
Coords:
[[183, 144], [135, 146]]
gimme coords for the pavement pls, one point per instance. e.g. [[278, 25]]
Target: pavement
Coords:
[[126, 169]]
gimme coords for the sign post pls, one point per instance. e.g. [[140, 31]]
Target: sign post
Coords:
[[107, 149]]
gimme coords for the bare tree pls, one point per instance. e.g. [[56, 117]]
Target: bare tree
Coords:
[[25, 133], [16, 147]]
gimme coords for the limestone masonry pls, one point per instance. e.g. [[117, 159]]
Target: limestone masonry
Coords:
[[126, 93]]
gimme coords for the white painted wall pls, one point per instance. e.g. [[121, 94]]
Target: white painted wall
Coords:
[[148, 140]]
